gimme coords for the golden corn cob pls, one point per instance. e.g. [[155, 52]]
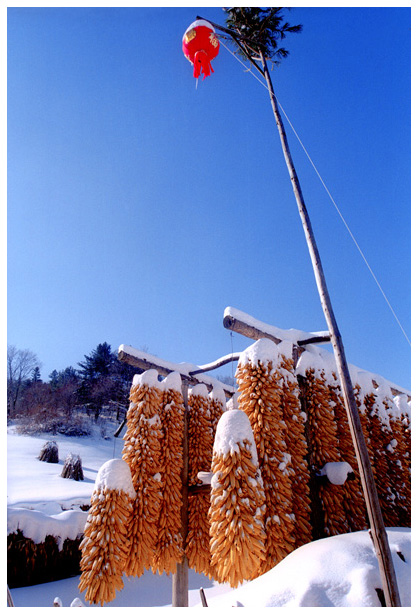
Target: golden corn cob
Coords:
[[104, 551]]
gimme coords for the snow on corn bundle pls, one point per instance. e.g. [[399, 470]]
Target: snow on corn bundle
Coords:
[[105, 545], [142, 452], [237, 502]]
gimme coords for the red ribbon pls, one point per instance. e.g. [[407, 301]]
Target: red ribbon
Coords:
[[202, 65]]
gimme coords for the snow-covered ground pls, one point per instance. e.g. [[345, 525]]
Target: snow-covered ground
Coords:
[[338, 571]]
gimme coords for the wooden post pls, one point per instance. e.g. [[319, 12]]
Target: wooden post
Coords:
[[180, 582]]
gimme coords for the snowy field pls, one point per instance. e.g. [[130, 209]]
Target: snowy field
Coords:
[[338, 571]]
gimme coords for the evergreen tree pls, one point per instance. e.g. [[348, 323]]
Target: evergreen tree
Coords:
[[53, 379], [98, 363], [36, 375]]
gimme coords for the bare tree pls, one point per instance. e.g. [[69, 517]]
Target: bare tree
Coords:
[[20, 367]]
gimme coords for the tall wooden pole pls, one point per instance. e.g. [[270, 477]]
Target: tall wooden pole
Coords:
[[180, 581], [378, 531]]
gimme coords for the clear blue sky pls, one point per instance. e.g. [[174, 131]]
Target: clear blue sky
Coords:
[[139, 207]]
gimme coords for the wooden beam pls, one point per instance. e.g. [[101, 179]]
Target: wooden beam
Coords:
[[192, 374], [220, 362], [252, 332], [235, 324], [239, 326]]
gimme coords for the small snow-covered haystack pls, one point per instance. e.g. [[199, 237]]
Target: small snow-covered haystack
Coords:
[[142, 452], [200, 459], [105, 544], [237, 503], [260, 400], [49, 452], [73, 468], [169, 547]]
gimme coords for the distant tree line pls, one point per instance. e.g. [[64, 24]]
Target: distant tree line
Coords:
[[100, 384]]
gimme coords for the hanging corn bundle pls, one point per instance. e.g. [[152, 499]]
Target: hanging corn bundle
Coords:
[[237, 502], [200, 458], [362, 397], [105, 544], [399, 466], [324, 442], [260, 399], [378, 421], [296, 444], [217, 406], [352, 495], [403, 431], [142, 452], [169, 546], [389, 442], [365, 399]]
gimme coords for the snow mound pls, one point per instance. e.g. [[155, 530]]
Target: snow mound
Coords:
[[147, 378], [115, 474], [338, 571], [36, 525], [336, 472], [234, 427], [262, 351]]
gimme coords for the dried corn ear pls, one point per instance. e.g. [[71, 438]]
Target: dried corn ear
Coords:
[[142, 452], [294, 436], [105, 544], [200, 458], [169, 547], [237, 502], [325, 448], [259, 398]]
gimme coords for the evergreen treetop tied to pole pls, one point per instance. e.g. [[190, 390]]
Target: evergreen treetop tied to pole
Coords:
[[256, 34]]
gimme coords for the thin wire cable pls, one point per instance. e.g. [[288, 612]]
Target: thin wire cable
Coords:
[[232, 363], [327, 191]]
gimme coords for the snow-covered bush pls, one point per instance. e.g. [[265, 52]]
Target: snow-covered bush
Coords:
[[44, 422]]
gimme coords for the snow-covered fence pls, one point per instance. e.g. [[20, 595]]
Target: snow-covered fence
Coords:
[[42, 548]]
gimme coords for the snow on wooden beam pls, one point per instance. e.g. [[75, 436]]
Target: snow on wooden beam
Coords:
[[246, 325], [190, 373]]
